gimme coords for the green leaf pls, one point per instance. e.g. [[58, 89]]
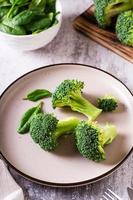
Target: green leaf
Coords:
[[15, 11], [23, 17], [18, 2], [3, 11], [18, 30], [50, 16], [24, 124], [50, 6], [38, 5], [38, 94], [39, 24], [55, 22], [5, 28], [4, 4], [14, 3], [8, 27], [27, 16], [38, 31]]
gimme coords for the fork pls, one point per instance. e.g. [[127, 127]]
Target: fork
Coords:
[[110, 195]]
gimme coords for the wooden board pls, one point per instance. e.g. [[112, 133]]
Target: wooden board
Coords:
[[87, 24]]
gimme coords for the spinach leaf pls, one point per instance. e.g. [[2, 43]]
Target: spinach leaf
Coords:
[[55, 22], [5, 29], [38, 94], [38, 5], [42, 23], [3, 11], [16, 30], [4, 4], [50, 6], [50, 16], [15, 11], [14, 3], [18, 2], [23, 17], [24, 124]]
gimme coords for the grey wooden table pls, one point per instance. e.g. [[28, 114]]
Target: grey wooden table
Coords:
[[70, 46]]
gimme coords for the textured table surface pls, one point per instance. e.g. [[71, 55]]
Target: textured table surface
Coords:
[[70, 46]]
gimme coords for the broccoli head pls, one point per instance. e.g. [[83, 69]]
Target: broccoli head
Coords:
[[91, 138], [124, 27], [45, 129], [107, 9], [107, 103], [69, 93]]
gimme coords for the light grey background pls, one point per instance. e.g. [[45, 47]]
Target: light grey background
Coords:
[[70, 46]]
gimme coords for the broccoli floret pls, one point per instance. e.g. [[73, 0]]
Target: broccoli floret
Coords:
[[45, 129], [107, 9], [124, 27], [68, 93], [91, 138], [107, 103]]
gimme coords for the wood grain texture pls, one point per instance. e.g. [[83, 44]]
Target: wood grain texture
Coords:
[[87, 24], [70, 46]]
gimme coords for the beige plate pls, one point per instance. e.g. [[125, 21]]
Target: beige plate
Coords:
[[65, 167]]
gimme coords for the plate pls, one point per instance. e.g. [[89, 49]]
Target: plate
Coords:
[[65, 167]]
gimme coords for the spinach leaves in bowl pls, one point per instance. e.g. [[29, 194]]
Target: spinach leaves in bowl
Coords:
[[24, 17]]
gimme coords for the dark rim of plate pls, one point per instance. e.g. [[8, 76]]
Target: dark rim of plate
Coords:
[[81, 183]]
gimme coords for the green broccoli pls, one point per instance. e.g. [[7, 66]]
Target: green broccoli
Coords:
[[91, 139], [45, 129], [68, 93], [124, 27], [107, 103], [107, 9]]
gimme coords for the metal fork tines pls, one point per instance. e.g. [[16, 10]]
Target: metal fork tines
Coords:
[[110, 195]]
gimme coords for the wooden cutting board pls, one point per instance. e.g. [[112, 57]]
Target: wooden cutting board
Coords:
[[87, 24]]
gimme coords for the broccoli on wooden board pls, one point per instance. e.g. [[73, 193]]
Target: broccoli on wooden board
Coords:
[[124, 27], [107, 9]]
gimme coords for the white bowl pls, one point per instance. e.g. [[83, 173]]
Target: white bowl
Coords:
[[32, 42]]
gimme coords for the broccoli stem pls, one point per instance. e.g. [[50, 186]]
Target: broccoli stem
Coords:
[[113, 10], [80, 104], [109, 133], [66, 126]]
